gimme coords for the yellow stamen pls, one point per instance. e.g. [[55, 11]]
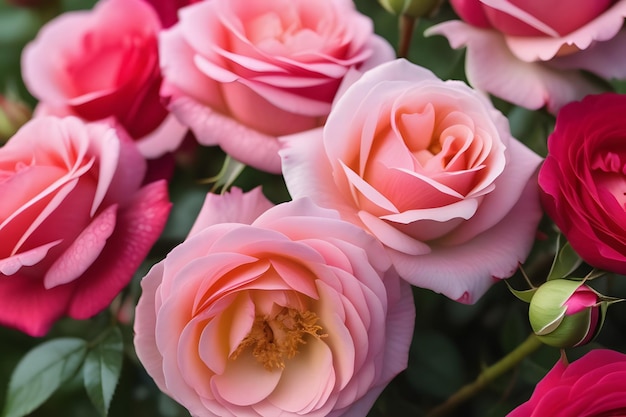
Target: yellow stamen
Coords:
[[276, 339]]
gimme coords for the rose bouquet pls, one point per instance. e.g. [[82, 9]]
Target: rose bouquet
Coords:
[[324, 208]]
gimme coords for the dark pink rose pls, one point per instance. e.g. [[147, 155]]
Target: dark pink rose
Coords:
[[168, 9], [75, 220], [241, 73], [583, 179], [592, 386], [531, 54], [104, 63]]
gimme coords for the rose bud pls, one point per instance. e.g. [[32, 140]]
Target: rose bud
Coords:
[[565, 313], [13, 114], [411, 8]]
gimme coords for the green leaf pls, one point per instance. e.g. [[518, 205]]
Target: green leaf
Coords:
[[102, 370], [524, 295], [41, 372], [565, 262]]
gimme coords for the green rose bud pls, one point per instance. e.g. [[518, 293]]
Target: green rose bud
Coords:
[[411, 8], [566, 313], [13, 114]]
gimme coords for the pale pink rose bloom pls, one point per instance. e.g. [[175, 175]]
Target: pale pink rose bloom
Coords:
[[296, 314], [240, 73], [531, 53], [429, 168], [103, 64], [75, 220]]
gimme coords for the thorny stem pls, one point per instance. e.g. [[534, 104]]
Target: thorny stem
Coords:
[[487, 376]]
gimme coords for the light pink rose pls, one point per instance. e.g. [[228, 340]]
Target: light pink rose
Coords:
[[296, 314], [104, 64], [75, 221], [429, 168], [531, 54], [240, 73]]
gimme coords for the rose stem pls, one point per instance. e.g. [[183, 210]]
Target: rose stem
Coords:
[[406, 25], [487, 376]]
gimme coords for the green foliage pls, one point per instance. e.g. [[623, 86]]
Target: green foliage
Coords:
[[56, 363], [40, 372], [435, 365], [566, 261], [102, 369]]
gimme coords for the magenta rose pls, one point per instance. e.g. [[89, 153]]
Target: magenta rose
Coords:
[[429, 168], [592, 386], [240, 73], [168, 9], [101, 64], [531, 54], [75, 220], [582, 179], [294, 314]]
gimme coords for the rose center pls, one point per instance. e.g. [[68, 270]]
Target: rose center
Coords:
[[275, 339], [610, 174], [271, 26]]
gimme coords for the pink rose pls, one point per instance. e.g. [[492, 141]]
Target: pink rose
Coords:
[[168, 9], [429, 168], [240, 73], [592, 386], [75, 221], [103, 63], [530, 54], [582, 179], [296, 314]]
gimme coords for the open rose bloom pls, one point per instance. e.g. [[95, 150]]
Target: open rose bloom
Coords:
[[531, 53], [75, 221], [239, 73], [295, 314], [582, 179], [594, 386], [104, 64], [429, 168]]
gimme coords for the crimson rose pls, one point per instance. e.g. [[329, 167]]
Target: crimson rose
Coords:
[[583, 179]]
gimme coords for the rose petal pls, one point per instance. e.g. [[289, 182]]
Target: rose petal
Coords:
[[459, 271], [245, 381], [528, 84], [83, 251], [138, 226], [29, 307], [233, 206]]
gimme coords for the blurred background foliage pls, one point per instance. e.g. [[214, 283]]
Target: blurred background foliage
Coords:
[[452, 342]]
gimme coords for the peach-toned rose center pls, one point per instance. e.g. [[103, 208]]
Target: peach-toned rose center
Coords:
[[273, 340]]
